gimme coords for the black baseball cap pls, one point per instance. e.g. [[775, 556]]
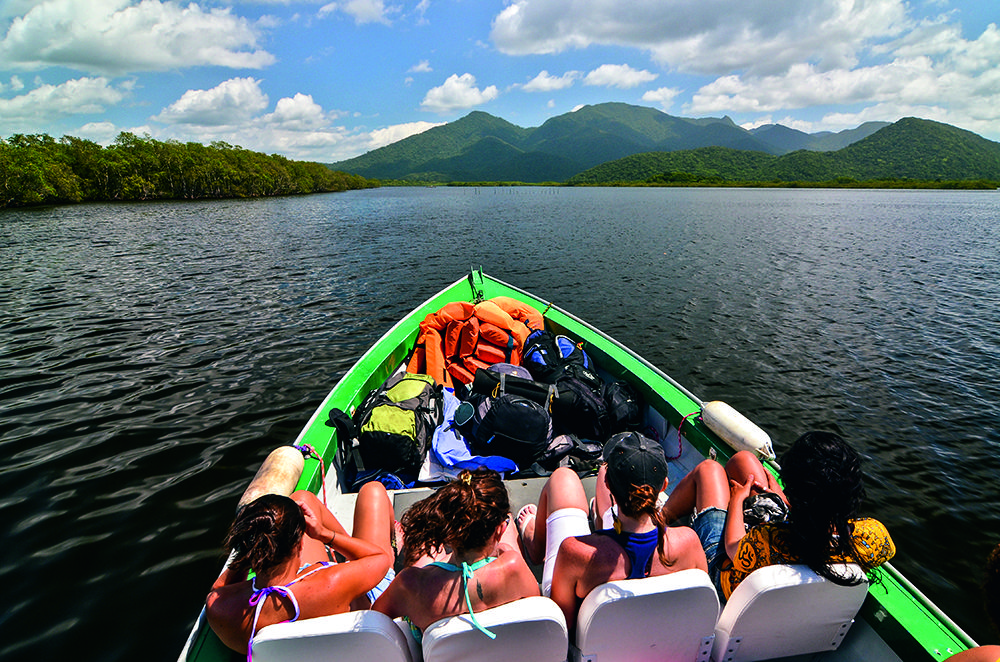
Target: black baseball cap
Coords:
[[634, 459]]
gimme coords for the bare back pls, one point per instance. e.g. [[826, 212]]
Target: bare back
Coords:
[[585, 562], [325, 591], [427, 594]]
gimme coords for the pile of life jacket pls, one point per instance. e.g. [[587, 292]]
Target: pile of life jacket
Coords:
[[462, 338]]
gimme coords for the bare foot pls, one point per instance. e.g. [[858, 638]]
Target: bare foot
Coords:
[[526, 527]]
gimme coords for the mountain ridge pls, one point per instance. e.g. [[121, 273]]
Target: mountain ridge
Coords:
[[911, 148], [480, 147]]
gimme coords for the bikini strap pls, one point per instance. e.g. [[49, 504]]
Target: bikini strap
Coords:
[[467, 571], [257, 601], [259, 594]]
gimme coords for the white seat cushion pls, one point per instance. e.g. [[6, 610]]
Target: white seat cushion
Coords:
[[356, 635], [530, 629], [666, 618], [786, 610]]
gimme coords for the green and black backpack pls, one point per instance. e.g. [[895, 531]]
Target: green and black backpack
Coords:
[[395, 423]]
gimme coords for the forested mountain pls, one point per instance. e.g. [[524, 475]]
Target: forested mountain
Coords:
[[908, 149], [783, 140], [481, 147], [38, 169]]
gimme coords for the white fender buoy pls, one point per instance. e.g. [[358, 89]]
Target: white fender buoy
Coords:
[[279, 474], [737, 430]]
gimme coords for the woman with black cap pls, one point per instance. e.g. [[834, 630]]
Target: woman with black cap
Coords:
[[639, 544]]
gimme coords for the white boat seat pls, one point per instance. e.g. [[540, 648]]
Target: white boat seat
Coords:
[[530, 629], [356, 635], [665, 618], [786, 610]]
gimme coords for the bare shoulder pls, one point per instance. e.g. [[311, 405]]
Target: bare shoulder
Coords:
[[684, 536], [221, 600], [226, 611], [583, 547]]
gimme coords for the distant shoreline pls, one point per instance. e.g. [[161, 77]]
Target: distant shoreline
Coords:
[[952, 185]]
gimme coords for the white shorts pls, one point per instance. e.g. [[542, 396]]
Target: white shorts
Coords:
[[559, 525]]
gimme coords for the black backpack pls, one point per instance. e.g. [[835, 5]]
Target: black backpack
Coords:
[[580, 408], [545, 353], [395, 423], [506, 425], [623, 405]]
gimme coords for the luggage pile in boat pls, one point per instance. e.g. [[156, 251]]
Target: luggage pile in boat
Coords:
[[486, 386]]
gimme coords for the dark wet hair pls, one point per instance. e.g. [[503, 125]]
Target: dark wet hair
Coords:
[[825, 490], [641, 500], [266, 532], [464, 514]]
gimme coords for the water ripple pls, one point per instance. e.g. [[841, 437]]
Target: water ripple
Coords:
[[152, 355]]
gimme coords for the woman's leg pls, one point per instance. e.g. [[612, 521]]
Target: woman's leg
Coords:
[[562, 490], [705, 486], [373, 522], [602, 498], [745, 464], [374, 517]]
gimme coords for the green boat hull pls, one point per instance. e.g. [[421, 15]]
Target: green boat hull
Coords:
[[901, 618]]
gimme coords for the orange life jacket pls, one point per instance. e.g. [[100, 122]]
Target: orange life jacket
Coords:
[[462, 337]]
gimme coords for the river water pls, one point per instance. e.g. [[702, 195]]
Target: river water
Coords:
[[151, 355]]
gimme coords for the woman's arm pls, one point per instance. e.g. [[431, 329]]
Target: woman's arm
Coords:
[[691, 553], [566, 577], [735, 527], [393, 601], [520, 580], [322, 525], [230, 575]]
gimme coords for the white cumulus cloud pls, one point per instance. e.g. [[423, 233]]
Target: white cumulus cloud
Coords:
[[702, 36], [362, 11], [118, 37], [236, 112], [663, 96], [231, 102], [391, 134], [618, 75], [298, 113], [544, 82], [456, 93], [50, 102]]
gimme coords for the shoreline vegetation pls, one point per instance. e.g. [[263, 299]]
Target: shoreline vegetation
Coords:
[[40, 170], [718, 182]]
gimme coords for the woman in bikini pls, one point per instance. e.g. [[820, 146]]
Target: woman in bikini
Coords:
[[638, 544], [290, 543], [823, 491], [465, 522]]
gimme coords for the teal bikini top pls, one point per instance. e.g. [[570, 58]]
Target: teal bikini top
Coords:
[[466, 571]]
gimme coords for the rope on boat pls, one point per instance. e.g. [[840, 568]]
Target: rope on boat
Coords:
[[310, 452], [680, 443]]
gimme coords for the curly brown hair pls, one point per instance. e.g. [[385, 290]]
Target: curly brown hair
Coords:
[[265, 533], [464, 514]]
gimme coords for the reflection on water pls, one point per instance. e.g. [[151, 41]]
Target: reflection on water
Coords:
[[152, 355]]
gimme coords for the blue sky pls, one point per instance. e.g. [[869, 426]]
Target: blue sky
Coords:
[[327, 81]]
